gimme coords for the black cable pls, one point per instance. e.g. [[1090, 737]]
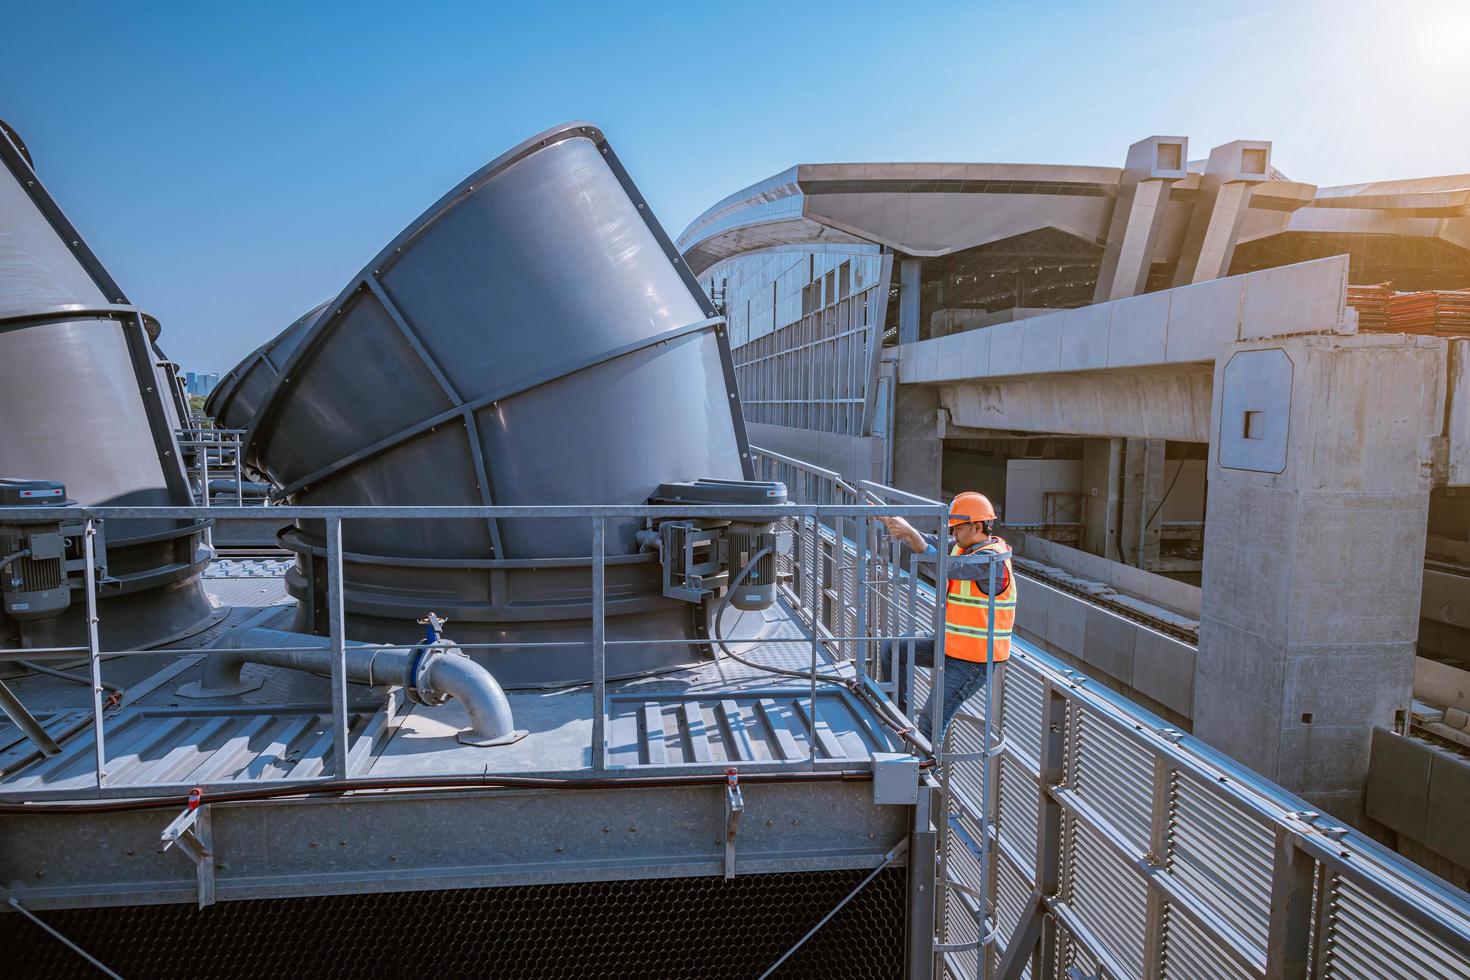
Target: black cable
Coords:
[[1165, 496], [720, 640], [439, 783]]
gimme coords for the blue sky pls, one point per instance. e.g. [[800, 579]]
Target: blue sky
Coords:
[[235, 164]]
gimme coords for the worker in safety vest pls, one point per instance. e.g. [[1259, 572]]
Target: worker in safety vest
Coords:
[[967, 652]]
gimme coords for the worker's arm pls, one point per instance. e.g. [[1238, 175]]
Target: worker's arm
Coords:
[[966, 568], [927, 545]]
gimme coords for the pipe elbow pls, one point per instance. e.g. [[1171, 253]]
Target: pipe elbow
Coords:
[[484, 700]]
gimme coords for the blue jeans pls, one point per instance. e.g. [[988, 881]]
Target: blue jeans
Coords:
[[962, 680]]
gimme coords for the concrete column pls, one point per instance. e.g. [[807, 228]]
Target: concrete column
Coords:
[[1143, 194], [1320, 468], [1143, 489], [909, 283], [917, 448], [1102, 481], [1224, 194]]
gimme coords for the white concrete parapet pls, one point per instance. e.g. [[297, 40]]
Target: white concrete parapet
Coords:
[[1172, 326]]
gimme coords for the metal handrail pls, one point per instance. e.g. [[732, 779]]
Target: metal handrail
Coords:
[[333, 517], [1294, 935]]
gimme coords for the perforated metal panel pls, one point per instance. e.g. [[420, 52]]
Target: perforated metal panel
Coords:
[[678, 927]]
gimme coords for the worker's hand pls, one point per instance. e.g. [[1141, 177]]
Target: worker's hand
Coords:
[[895, 525]]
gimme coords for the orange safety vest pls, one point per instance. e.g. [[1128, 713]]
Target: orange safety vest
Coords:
[[966, 617]]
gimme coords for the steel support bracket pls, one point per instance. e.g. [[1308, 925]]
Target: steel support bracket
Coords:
[[734, 807], [190, 830], [26, 722]]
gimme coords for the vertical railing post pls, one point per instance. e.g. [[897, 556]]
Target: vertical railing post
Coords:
[[94, 651], [1162, 809], [337, 632], [924, 888], [912, 629], [838, 561], [1049, 821], [860, 597], [987, 740], [201, 455], [239, 471], [936, 676], [599, 646], [1288, 946], [814, 568]]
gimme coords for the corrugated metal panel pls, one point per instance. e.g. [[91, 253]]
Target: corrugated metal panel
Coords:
[[1222, 857], [1189, 952], [1072, 953], [151, 746], [1114, 775], [666, 728], [1367, 940], [1107, 896], [964, 776], [1021, 694], [1016, 811], [1012, 891]]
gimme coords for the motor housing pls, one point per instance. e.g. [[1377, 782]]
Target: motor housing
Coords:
[[701, 557], [41, 560]]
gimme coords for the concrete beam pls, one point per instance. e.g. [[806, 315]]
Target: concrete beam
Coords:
[[1143, 404], [1186, 325]]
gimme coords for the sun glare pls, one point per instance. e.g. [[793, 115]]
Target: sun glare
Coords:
[[1440, 32]]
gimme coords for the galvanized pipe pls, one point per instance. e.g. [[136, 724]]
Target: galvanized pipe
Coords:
[[442, 670]]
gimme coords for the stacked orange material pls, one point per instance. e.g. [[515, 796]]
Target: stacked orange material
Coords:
[[1412, 312], [1371, 302], [1442, 311], [1452, 311]]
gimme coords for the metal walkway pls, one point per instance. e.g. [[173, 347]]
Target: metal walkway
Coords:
[[1093, 840]]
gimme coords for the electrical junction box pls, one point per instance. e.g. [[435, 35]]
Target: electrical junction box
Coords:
[[895, 779]]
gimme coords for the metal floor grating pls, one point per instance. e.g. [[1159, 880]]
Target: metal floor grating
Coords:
[[712, 713], [758, 726], [160, 746]]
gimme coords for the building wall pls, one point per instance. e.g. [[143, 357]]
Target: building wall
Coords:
[[764, 291], [805, 328], [1029, 480]]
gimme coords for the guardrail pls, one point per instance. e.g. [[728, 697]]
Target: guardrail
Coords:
[[345, 765], [1084, 837], [209, 452], [1107, 843]]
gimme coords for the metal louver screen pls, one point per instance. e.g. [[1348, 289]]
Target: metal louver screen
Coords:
[[668, 927]]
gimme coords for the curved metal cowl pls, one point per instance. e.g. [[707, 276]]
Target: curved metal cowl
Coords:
[[533, 338], [81, 400], [239, 394]]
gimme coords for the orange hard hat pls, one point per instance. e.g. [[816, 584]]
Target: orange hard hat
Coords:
[[970, 506]]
